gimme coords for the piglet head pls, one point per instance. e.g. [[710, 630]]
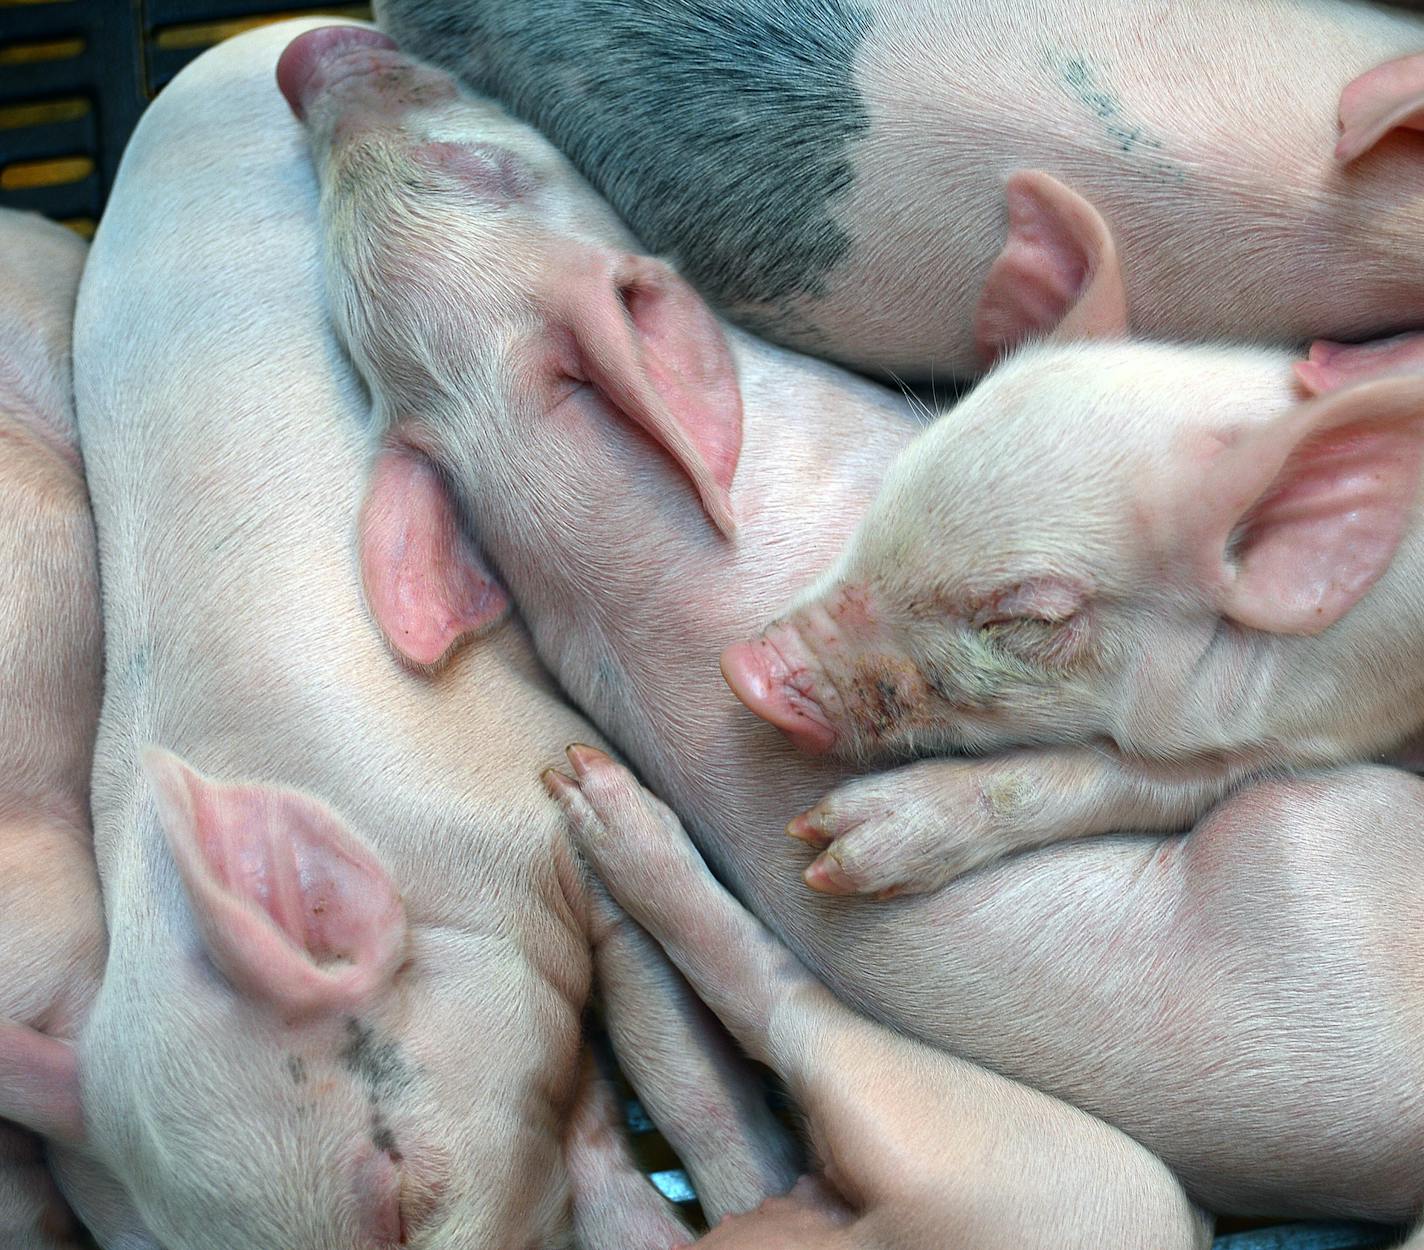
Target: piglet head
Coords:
[[967, 610], [313, 1070], [1086, 548], [491, 301], [866, 665]]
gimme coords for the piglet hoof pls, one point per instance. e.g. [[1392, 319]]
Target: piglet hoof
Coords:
[[910, 831]]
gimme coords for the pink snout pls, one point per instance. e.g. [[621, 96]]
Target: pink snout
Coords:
[[302, 67], [762, 679]]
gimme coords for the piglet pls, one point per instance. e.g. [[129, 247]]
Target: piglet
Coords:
[[916, 1149], [51, 922], [917, 185], [348, 944], [1136, 574]]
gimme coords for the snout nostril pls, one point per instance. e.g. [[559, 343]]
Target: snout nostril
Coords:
[[298, 66]]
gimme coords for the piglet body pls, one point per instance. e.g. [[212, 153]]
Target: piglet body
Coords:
[[1137, 573], [51, 923], [347, 957], [844, 175], [509, 329]]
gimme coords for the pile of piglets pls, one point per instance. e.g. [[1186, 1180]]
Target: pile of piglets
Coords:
[[450, 409]]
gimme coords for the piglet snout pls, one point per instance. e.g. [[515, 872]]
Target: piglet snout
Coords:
[[778, 691], [301, 69]]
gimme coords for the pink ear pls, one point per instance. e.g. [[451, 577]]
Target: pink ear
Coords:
[[294, 910], [1333, 365], [1058, 272], [1388, 97], [424, 583], [649, 343], [39, 1083], [1316, 504]]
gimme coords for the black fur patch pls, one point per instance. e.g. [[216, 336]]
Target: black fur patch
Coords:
[[719, 129]]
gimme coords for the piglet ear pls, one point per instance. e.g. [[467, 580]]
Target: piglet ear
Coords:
[[39, 1083], [295, 911], [649, 343], [1311, 509], [1058, 273], [1333, 365], [1387, 98], [425, 584]]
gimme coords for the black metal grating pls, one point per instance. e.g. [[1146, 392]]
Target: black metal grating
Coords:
[[75, 75]]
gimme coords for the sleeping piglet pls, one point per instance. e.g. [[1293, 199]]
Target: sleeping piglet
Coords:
[[508, 329], [1133, 573], [913, 185]]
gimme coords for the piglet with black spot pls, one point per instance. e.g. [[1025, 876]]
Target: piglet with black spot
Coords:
[[916, 185]]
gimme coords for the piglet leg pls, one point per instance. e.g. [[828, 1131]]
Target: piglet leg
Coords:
[[708, 1102], [912, 830], [614, 1203], [919, 1150]]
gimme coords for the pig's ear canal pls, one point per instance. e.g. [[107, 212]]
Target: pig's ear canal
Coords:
[[1387, 98], [426, 585], [294, 910], [1312, 509], [1333, 365], [39, 1083], [651, 346], [1057, 274]]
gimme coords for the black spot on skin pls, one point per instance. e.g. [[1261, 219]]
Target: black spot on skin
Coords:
[[1130, 138], [383, 1138], [377, 1064], [719, 129], [297, 1069]]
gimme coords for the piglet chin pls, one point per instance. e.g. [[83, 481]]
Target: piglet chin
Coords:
[[299, 67], [760, 678]]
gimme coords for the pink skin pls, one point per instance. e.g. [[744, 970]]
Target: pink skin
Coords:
[[775, 688], [911, 1145], [51, 922], [829, 675], [1131, 976], [310, 63], [336, 883]]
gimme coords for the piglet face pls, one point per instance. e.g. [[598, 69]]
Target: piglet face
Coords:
[[489, 298], [1022, 578], [316, 1067]]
